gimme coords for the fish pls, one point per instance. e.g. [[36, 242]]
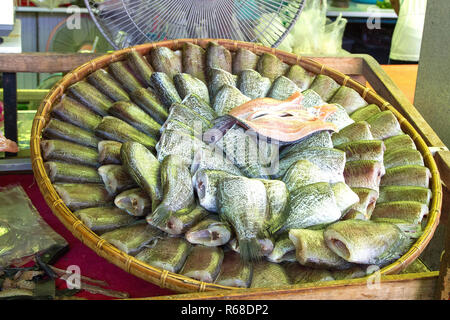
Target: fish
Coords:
[[266, 245], [349, 99], [73, 112], [345, 196], [188, 117], [400, 141], [122, 73], [149, 102], [364, 208], [65, 151], [283, 250], [368, 242], [233, 271], [132, 238], [175, 125], [164, 60], [217, 79], [363, 150], [179, 223], [106, 84], [144, 169], [116, 178], [109, 152], [409, 175], [350, 273], [134, 201], [269, 275], [217, 56], [193, 60], [270, 66], [203, 263], [409, 211], [355, 214], [404, 193], [299, 274], [252, 84], [330, 161], [317, 139], [89, 96], [57, 129], [112, 128], [364, 113], [339, 118], [311, 205], [164, 89], [302, 173], [311, 99], [82, 195], [227, 98], [242, 202], [277, 199], [136, 117], [363, 174], [244, 60], [187, 84], [177, 189], [325, 86], [354, 132], [402, 157], [301, 77], [197, 104], [311, 250], [384, 125], [282, 88], [103, 219], [140, 67], [167, 254], [206, 182], [213, 159], [70, 172]]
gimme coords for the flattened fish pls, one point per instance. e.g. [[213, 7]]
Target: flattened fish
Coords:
[[203, 263], [234, 272], [210, 232]]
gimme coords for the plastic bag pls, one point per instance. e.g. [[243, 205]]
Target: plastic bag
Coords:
[[50, 3], [22, 230], [7, 145]]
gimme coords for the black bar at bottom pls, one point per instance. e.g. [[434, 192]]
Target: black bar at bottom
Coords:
[[10, 107]]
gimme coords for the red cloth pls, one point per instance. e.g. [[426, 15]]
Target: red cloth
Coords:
[[90, 263]]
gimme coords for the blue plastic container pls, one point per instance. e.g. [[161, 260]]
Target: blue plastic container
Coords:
[[365, 1]]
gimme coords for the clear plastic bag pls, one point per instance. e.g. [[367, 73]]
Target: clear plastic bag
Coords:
[[22, 230]]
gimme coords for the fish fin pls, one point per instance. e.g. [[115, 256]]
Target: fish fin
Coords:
[[250, 250], [161, 215]]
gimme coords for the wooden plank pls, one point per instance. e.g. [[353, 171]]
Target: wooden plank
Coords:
[[442, 159], [443, 290], [47, 62], [417, 286], [24, 95], [351, 64]]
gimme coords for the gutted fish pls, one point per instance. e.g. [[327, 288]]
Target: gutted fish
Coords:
[[83, 195], [148, 101], [410, 175], [301, 77], [194, 60], [71, 172], [401, 141], [384, 125], [300, 274], [268, 275], [89, 96], [209, 232], [271, 66], [75, 113], [354, 132], [57, 129], [134, 201], [282, 88], [166, 61], [180, 222], [252, 84], [349, 99], [234, 272], [325, 86], [409, 211], [364, 113], [203, 263], [106, 84], [61, 150], [403, 157], [363, 174], [405, 193], [283, 250], [109, 152], [363, 150], [103, 219], [345, 196], [187, 84], [302, 173], [244, 60], [116, 178]]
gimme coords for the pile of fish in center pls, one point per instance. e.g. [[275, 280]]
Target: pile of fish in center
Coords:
[[153, 154]]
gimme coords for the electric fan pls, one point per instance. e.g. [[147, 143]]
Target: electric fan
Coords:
[[127, 23]]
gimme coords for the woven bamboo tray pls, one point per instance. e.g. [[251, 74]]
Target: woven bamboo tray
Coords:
[[178, 282]]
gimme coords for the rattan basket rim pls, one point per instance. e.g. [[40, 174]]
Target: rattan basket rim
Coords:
[[178, 282]]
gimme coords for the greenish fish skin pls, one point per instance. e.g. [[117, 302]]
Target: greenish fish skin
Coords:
[[350, 273], [112, 128], [270, 66], [367, 242], [136, 117], [167, 254], [140, 67], [109, 152], [197, 104], [403, 157], [166, 61], [354, 132], [88, 95], [283, 250], [384, 125], [132, 238], [325, 86], [317, 139], [122, 73], [243, 60], [269, 275], [180, 222], [405, 193], [301, 77], [115, 178], [217, 56], [311, 99], [299, 274], [83, 195], [227, 98], [144, 169], [266, 245], [213, 159], [364, 113], [277, 200], [282, 88], [178, 191], [106, 84], [194, 60], [61, 150], [312, 251], [187, 116], [400, 141], [234, 272], [242, 202], [349, 99], [149, 102], [339, 118], [252, 84], [203, 263], [70, 172], [165, 89], [345, 196], [409, 175], [363, 150], [57, 129], [209, 232], [410, 211], [135, 201], [187, 84], [73, 112], [217, 79], [363, 174], [364, 208], [302, 173], [103, 219]]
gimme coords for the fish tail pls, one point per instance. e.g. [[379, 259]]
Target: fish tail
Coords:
[[250, 250], [161, 215]]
